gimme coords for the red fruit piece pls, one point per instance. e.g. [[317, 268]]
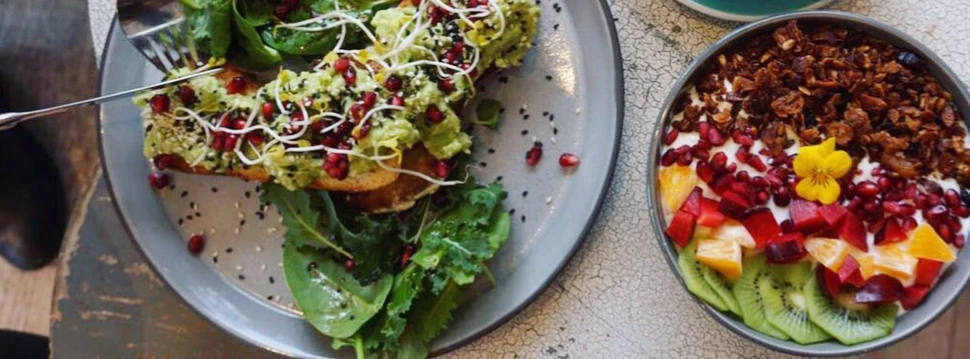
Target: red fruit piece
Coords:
[[158, 180], [828, 280], [914, 296], [196, 244], [710, 216], [692, 204], [890, 233], [236, 85], [681, 228], [762, 225], [533, 155], [568, 160], [851, 230], [926, 271], [786, 248], [880, 289], [722, 184], [160, 103], [832, 213], [733, 205], [757, 163], [849, 272], [705, 171], [806, 216]]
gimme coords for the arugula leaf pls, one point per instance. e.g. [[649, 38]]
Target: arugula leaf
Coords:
[[330, 298], [431, 314], [254, 54], [455, 247], [407, 285], [210, 22], [487, 113], [301, 221]]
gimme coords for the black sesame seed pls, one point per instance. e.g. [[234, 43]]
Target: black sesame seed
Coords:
[[247, 194], [523, 218], [184, 193], [171, 188], [242, 277], [525, 117], [197, 214], [555, 27], [191, 204], [501, 110], [214, 190], [549, 77], [512, 211], [229, 250], [525, 193], [545, 113], [555, 131], [181, 221], [525, 132], [242, 222], [498, 179], [483, 164], [269, 297], [189, 217], [272, 280], [491, 150], [215, 259], [521, 110]]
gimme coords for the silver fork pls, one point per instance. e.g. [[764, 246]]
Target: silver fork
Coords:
[[159, 31]]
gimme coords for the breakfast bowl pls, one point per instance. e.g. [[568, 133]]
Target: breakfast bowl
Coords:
[[816, 224]]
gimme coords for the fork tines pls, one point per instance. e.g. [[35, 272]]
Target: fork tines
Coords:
[[168, 46]]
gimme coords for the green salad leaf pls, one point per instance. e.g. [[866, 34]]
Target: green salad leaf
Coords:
[[431, 314], [329, 296], [487, 113], [254, 54], [210, 22], [375, 245], [301, 221]]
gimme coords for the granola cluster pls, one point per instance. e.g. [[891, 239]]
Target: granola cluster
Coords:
[[823, 81]]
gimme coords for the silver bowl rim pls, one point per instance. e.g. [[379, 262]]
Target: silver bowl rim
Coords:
[[946, 77]]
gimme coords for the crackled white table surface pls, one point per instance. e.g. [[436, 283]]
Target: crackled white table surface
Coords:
[[616, 297]]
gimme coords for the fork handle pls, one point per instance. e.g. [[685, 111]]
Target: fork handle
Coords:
[[11, 119]]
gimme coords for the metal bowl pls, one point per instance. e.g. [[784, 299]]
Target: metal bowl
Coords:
[[951, 283]]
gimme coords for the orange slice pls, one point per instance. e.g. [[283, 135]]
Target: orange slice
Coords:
[[926, 243], [733, 230], [676, 182], [893, 261], [722, 256], [866, 262], [829, 252]]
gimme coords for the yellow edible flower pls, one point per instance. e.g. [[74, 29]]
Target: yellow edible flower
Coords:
[[819, 166]]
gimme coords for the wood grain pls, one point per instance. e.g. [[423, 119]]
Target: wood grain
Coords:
[[25, 298]]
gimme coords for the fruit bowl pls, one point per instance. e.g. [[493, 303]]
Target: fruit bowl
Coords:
[[947, 287]]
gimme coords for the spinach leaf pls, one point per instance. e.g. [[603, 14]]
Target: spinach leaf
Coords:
[[210, 22], [375, 245], [455, 247], [259, 12], [330, 298], [254, 54], [301, 221], [487, 113]]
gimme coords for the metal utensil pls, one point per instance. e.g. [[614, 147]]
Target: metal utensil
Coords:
[[10, 119], [159, 31]]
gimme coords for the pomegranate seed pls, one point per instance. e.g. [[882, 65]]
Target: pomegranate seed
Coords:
[[762, 197], [962, 212], [787, 226], [281, 11], [954, 224], [884, 183], [703, 144], [935, 212], [446, 85], [759, 182], [364, 130], [959, 241], [158, 180], [568, 160], [196, 244], [236, 85], [731, 168], [685, 159], [350, 76], [908, 224], [231, 142], [451, 58], [742, 139], [705, 171], [459, 46], [435, 14], [892, 196], [393, 83], [878, 171], [357, 111], [699, 153], [668, 158], [433, 114], [163, 161], [782, 197], [473, 73], [349, 264], [870, 206], [739, 187], [406, 255], [891, 207], [187, 95], [267, 110], [160, 103], [337, 166], [719, 160], [946, 233], [934, 200], [442, 169], [742, 176], [910, 191], [218, 142], [854, 204], [671, 136], [715, 137], [533, 155], [682, 150], [867, 189], [704, 129], [254, 138], [340, 65], [369, 99], [396, 101], [757, 163], [239, 123], [952, 197]]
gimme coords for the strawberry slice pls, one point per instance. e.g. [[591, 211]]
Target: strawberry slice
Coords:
[[681, 228], [734, 205], [828, 280], [926, 271], [833, 213], [891, 232], [762, 225], [849, 272], [692, 204], [913, 296], [710, 216], [806, 216], [851, 230]]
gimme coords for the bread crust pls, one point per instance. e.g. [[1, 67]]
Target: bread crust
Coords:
[[403, 192]]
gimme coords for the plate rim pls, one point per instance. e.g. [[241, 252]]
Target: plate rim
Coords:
[[619, 115], [723, 15], [669, 251]]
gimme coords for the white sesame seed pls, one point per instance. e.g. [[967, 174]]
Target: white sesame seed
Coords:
[[548, 200], [262, 267], [237, 205], [271, 230], [236, 230], [525, 106], [578, 110], [241, 215], [212, 231], [552, 124], [280, 220], [215, 253], [534, 138], [553, 139], [259, 248], [238, 268]]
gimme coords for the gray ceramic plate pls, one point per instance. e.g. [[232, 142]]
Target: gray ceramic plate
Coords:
[[951, 283], [566, 95]]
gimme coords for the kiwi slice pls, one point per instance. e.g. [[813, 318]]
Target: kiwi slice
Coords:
[[691, 272], [722, 287], [849, 322], [785, 302], [746, 291]]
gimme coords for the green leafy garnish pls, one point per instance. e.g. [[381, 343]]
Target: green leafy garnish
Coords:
[[211, 24], [330, 298], [374, 245], [302, 222], [487, 113]]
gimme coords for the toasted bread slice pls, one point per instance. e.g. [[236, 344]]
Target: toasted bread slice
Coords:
[[402, 193]]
